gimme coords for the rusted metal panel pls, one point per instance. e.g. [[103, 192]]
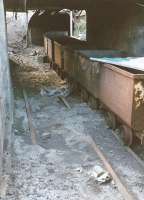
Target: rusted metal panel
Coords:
[[138, 103], [55, 43], [45, 44], [58, 54], [70, 56], [88, 75], [82, 70], [60, 44], [77, 65], [50, 49], [49, 39], [116, 91], [123, 93], [69, 62]]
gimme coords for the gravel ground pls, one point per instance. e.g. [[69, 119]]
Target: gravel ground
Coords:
[[58, 166]]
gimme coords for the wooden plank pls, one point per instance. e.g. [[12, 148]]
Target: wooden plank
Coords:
[[29, 116], [64, 101]]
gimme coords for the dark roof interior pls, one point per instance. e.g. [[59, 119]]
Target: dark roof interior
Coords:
[[71, 4]]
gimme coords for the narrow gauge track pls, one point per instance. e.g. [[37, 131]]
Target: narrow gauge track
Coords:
[[136, 149], [132, 150], [122, 187], [127, 195], [139, 151]]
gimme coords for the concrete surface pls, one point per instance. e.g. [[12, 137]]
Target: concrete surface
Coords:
[[5, 101]]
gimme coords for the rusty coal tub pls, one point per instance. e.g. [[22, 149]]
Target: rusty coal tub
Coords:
[[60, 44], [121, 90], [79, 67], [49, 39]]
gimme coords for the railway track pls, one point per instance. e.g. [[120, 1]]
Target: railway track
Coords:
[[139, 150], [133, 150], [32, 129], [126, 192]]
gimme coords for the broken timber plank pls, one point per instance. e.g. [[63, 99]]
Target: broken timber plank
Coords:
[[64, 101], [29, 116]]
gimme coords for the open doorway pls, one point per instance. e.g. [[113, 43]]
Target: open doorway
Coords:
[[79, 18]]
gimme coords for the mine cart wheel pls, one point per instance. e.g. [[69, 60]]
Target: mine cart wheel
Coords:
[[93, 103], [59, 72], [111, 120], [77, 88], [62, 75], [84, 95], [127, 135], [51, 65], [54, 67], [69, 84]]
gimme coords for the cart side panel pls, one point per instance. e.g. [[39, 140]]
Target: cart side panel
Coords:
[[116, 92], [58, 54], [87, 73], [69, 63], [45, 45], [50, 49], [82, 70], [138, 105]]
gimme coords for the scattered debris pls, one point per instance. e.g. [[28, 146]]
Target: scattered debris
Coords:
[[34, 53], [120, 185], [55, 91], [27, 70], [79, 169], [114, 184], [99, 174], [46, 135]]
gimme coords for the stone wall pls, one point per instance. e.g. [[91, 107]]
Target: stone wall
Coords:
[[6, 114]]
